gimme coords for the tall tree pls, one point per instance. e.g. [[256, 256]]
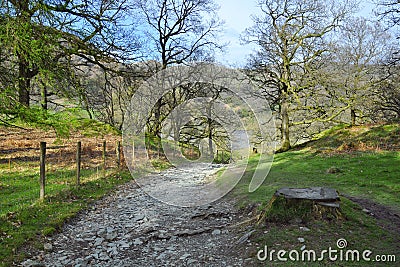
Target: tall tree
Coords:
[[388, 95], [181, 31], [291, 39], [43, 36], [389, 12], [361, 49]]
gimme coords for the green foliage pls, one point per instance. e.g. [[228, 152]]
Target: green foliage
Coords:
[[33, 43], [160, 164], [8, 101], [37, 117], [50, 46]]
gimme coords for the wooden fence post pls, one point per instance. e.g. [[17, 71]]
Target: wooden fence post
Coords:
[[104, 157], [78, 162], [118, 153], [42, 169]]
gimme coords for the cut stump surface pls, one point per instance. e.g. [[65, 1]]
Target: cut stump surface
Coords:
[[324, 196]]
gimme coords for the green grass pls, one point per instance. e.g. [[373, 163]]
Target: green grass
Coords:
[[361, 137], [25, 220], [222, 157], [20, 189], [62, 122], [370, 174], [360, 232]]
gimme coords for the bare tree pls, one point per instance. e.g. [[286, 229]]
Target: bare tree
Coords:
[[291, 38], [181, 31], [388, 96], [361, 49], [388, 11]]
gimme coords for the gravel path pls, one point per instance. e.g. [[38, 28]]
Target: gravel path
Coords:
[[130, 228]]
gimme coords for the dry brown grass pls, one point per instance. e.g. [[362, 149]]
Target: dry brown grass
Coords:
[[23, 146]]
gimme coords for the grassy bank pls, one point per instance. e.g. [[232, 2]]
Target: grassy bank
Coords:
[[355, 162], [372, 175], [24, 220]]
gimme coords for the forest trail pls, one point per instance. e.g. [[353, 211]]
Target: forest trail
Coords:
[[131, 228]]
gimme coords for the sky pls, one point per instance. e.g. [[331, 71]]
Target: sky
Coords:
[[237, 16]]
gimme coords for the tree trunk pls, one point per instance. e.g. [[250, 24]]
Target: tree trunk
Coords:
[[25, 74], [88, 111], [24, 82], [285, 140], [210, 145], [304, 204], [353, 117], [209, 122], [86, 104], [43, 94], [157, 118], [158, 105]]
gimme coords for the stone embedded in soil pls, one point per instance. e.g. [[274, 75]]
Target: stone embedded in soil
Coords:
[[47, 247], [137, 242], [305, 229], [216, 232], [111, 236], [31, 263], [98, 241], [184, 256]]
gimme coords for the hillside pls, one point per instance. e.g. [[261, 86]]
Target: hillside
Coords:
[[362, 164], [359, 161], [339, 139]]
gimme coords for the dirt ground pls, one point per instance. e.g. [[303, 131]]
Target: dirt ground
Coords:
[[387, 217]]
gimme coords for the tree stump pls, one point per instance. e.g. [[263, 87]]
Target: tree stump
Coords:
[[302, 203]]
